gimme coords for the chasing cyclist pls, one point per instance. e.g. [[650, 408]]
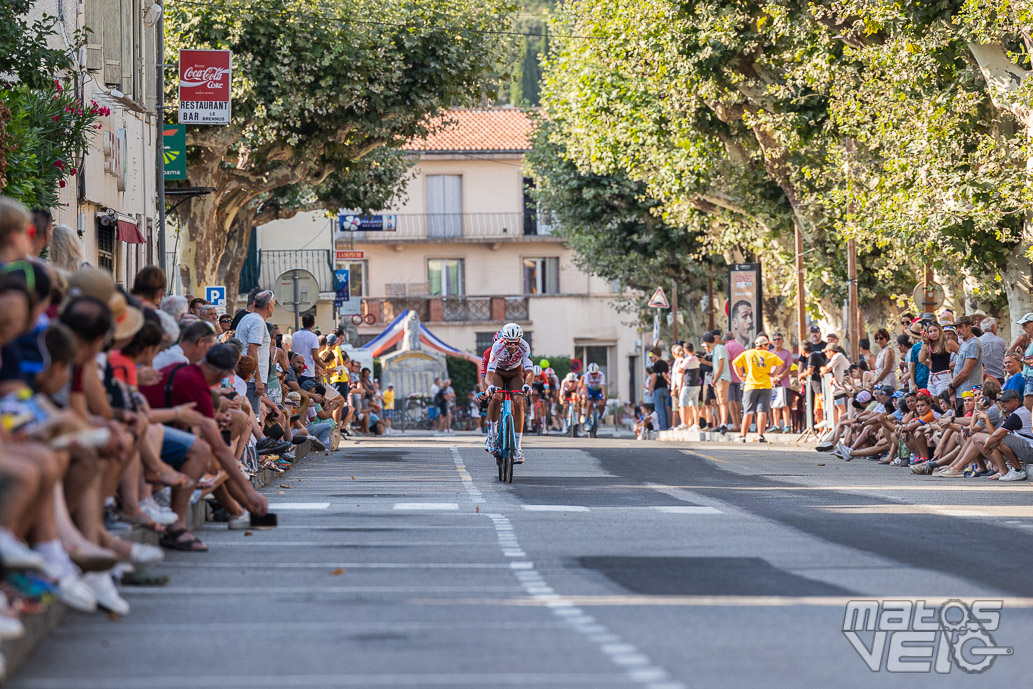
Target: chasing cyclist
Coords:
[[510, 368], [593, 391], [551, 383], [569, 396]]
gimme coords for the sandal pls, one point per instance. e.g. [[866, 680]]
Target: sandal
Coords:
[[167, 476], [174, 540]]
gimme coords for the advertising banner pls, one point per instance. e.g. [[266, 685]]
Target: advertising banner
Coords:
[[204, 87], [744, 302], [175, 151]]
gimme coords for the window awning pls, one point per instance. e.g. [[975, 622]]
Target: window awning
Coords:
[[129, 232]]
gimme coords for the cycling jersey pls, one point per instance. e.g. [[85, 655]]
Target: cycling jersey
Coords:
[[594, 381], [568, 389], [485, 358], [504, 360], [551, 380]]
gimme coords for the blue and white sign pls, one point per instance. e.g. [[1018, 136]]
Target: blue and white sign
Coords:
[[367, 223], [343, 302], [216, 295]]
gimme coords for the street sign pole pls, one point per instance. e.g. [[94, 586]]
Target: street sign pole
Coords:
[[674, 312], [297, 300]]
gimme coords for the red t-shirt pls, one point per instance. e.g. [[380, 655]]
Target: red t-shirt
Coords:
[[122, 367], [189, 385]]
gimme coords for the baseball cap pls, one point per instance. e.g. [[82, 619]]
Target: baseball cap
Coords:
[[885, 389], [308, 385], [964, 320], [1026, 318], [390, 385], [815, 329], [967, 393], [863, 397], [222, 356], [1009, 395], [761, 340], [709, 337], [331, 339]]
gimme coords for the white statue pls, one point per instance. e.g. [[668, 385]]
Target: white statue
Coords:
[[411, 341]]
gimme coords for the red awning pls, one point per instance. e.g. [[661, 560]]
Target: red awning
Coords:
[[129, 232]]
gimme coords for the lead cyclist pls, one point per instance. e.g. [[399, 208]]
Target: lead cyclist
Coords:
[[510, 368]]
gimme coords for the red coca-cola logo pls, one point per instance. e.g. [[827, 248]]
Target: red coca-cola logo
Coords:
[[211, 77]]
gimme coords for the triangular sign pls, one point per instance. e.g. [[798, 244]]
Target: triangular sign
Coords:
[[658, 300]]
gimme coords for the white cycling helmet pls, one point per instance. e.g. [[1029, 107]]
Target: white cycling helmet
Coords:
[[512, 331], [537, 370], [593, 368], [570, 377]]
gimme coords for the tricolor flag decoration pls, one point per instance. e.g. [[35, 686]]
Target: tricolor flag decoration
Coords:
[[393, 334]]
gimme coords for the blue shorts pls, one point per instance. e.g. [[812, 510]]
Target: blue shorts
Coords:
[[175, 445], [389, 413], [595, 393], [1029, 387]]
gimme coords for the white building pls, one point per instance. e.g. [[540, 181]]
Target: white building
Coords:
[[112, 201], [468, 252]]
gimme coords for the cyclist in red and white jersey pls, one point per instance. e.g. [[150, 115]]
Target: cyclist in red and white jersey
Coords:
[[482, 384], [568, 396], [510, 368]]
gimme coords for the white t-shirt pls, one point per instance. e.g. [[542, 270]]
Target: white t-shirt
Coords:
[[303, 342], [252, 330], [1020, 423], [167, 357]]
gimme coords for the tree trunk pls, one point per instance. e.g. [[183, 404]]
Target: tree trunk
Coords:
[[1017, 278]]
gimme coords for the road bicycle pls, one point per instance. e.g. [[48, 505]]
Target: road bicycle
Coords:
[[592, 422], [505, 442], [539, 415], [571, 419]]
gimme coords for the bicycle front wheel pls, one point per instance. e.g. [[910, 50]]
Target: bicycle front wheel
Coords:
[[510, 450]]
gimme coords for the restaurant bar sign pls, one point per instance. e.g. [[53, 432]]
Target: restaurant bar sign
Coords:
[[204, 87]]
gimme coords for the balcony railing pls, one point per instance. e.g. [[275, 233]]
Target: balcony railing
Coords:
[[462, 226], [449, 309], [274, 263]]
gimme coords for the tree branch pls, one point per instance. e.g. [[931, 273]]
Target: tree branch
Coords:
[[1004, 80]]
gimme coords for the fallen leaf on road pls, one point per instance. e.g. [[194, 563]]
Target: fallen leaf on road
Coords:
[[114, 616], [249, 533], [353, 478], [280, 492], [284, 485], [478, 510], [337, 572], [821, 465]]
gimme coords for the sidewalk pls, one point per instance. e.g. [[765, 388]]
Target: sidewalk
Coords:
[[675, 436]]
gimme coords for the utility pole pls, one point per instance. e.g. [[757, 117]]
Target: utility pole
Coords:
[[801, 309], [853, 317], [674, 313], [159, 117]]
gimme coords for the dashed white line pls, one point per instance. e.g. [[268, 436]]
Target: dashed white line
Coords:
[[427, 506], [299, 506], [555, 508], [471, 488]]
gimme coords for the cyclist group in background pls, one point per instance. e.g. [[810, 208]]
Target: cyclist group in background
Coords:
[[507, 366]]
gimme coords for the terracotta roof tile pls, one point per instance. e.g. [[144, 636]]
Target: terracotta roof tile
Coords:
[[482, 129]]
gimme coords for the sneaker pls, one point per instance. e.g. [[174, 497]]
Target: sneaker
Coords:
[[837, 453], [740, 439], [113, 524], [316, 444], [787, 429], [103, 586], [10, 628], [160, 515], [74, 592], [925, 468], [722, 429], [950, 472], [898, 462], [1014, 475], [773, 429], [845, 452], [240, 522], [761, 439], [143, 555], [518, 456], [825, 447], [16, 555]]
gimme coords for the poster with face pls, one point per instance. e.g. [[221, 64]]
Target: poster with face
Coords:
[[744, 305]]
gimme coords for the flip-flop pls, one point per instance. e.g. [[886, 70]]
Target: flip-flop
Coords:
[[171, 540], [145, 578]]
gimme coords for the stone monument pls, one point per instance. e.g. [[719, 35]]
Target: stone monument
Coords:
[[411, 369]]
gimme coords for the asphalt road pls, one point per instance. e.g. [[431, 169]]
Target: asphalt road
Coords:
[[607, 563]]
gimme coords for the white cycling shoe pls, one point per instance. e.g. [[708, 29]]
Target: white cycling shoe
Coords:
[[489, 445], [518, 456]]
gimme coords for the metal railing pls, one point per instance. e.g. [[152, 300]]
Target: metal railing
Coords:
[[466, 309], [265, 265], [448, 309], [499, 226]]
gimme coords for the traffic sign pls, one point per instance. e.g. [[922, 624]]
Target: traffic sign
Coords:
[[307, 290], [659, 300], [216, 295]]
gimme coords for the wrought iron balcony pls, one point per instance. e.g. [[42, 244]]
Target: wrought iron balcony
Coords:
[[468, 227], [480, 309]]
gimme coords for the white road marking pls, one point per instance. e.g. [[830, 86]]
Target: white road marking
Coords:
[[344, 680], [555, 508], [686, 509], [427, 506], [471, 488], [273, 506]]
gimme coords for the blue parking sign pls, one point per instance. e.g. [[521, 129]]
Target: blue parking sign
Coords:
[[216, 295]]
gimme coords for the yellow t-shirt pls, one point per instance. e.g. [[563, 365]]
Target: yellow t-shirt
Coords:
[[759, 363], [340, 375], [389, 399]]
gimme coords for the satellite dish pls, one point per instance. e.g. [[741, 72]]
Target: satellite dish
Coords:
[[308, 290]]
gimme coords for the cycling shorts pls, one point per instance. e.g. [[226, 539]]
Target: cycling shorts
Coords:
[[595, 393], [539, 388], [512, 379]]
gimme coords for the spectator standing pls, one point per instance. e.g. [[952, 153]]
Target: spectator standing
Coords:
[[306, 343], [691, 382], [993, 349], [1026, 340], [817, 343], [432, 410], [968, 372], [43, 225], [65, 251], [210, 313], [1013, 371], [721, 377], [886, 360], [935, 354], [866, 353], [388, 397], [755, 367], [735, 385], [247, 309], [252, 331], [780, 385], [659, 387], [918, 373], [839, 366]]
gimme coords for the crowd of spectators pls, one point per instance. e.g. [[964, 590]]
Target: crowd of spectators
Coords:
[[945, 395], [120, 409]]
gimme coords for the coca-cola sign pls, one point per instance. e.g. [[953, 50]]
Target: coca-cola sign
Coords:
[[204, 87]]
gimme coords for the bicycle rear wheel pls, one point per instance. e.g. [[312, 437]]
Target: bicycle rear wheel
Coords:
[[510, 451], [593, 431], [500, 451]]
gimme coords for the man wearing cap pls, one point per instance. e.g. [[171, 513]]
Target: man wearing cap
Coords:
[[185, 383], [306, 343], [754, 367], [1011, 445], [968, 370], [815, 337], [1024, 343]]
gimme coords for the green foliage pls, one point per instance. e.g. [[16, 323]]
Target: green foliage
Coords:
[[464, 375], [559, 364], [47, 127]]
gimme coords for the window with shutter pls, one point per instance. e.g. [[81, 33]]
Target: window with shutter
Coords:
[[111, 25], [130, 13], [95, 38]]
